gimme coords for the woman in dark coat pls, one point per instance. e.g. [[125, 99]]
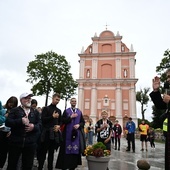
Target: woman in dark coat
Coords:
[[12, 102]]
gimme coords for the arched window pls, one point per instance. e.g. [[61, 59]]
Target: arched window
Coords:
[[123, 48], [125, 73]]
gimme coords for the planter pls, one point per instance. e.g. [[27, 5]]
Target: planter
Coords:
[[100, 163]]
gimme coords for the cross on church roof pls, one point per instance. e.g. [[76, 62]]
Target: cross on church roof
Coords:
[[106, 26]]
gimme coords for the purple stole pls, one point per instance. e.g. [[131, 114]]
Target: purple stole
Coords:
[[72, 147]]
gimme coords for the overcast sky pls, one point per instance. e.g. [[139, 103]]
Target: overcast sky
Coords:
[[31, 27]]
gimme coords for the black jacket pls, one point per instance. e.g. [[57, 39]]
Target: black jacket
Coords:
[[47, 116], [159, 104], [48, 122], [18, 135], [157, 100], [117, 129], [105, 133]]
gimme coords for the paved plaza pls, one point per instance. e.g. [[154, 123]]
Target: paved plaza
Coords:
[[122, 160]]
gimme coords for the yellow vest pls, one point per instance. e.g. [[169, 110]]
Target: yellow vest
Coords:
[[165, 125], [144, 129]]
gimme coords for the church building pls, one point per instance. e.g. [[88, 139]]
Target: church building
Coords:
[[107, 79]]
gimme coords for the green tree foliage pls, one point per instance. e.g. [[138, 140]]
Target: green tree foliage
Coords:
[[164, 65], [143, 98], [50, 72]]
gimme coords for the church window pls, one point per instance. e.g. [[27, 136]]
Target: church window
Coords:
[[123, 48], [125, 73], [88, 73]]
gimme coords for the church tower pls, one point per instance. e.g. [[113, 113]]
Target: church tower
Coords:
[[107, 79]]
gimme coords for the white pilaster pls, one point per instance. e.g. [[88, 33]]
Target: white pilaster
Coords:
[[95, 47], [94, 68], [132, 67], [81, 69], [118, 68], [81, 97], [118, 102], [93, 101], [118, 45], [132, 101]]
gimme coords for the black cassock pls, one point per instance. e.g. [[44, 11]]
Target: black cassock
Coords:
[[160, 104]]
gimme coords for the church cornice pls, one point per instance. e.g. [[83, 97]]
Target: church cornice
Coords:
[[106, 38], [115, 54], [107, 81]]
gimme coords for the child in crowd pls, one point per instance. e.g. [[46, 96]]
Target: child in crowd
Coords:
[[151, 136]]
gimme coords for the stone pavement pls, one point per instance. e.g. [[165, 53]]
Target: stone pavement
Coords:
[[122, 160]]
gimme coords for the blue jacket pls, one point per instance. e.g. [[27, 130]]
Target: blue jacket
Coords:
[[2, 114], [131, 127]]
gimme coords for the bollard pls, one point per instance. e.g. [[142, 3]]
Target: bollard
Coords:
[[143, 164]]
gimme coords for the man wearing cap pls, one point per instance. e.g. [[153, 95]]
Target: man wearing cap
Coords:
[[25, 128]]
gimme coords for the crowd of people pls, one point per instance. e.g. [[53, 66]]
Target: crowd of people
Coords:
[[29, 132]]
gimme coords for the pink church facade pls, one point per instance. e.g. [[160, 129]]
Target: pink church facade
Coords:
[[107, 79]]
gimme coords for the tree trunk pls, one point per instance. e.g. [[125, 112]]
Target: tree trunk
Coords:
[[47, 93], [65, 103], [143, 112]]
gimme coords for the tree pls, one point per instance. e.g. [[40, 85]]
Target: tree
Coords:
[[164, 65], [143, 98], [50, 72]]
